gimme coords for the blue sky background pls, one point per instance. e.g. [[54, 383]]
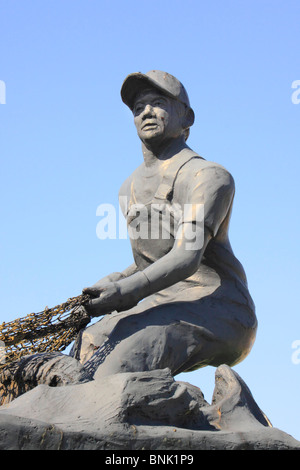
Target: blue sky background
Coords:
[[67, 142]]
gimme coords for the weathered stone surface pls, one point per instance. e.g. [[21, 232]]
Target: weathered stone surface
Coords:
[[51, 368], [145, 410], [233, 406]]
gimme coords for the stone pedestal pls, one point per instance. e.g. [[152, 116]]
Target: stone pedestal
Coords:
[[145, 410]]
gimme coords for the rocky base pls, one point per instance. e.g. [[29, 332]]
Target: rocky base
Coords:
[[135, 411]]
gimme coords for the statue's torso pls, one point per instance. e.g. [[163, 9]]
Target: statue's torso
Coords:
[[154, 204]]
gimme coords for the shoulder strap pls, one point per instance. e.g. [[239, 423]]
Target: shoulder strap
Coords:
[[166, 188]]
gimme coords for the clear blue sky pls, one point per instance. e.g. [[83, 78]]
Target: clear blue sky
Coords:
[[67, 142]]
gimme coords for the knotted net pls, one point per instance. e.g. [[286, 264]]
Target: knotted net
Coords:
[[52, 329]]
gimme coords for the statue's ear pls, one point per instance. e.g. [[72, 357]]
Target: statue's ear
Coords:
[[189, 118]]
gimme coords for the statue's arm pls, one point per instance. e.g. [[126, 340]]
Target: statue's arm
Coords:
[[96, 288], [125, 293], [185, 257], [177, 265]]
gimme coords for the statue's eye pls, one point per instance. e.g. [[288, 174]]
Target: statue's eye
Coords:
[[138, 108]]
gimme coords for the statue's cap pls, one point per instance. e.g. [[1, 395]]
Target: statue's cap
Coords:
[[162, 81]]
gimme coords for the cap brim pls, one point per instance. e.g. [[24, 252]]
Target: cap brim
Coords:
[[134, 84]]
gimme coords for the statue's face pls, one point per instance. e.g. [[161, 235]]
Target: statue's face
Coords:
[[157, 117]]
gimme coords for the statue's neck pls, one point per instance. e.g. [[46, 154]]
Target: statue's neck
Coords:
[[154, 156]]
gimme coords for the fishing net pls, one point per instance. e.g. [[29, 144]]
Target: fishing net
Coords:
[[52, 329]]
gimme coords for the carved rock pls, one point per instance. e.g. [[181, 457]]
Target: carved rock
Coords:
[[144, 410], [52, 368]]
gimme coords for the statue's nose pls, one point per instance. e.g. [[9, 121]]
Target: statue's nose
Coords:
[[148, 110]]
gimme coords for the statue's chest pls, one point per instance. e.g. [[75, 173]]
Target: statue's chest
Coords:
[[143, 189]]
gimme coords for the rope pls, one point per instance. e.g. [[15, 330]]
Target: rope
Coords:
[[52, 329]]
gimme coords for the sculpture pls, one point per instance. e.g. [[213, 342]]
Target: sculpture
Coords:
[[184, 303]]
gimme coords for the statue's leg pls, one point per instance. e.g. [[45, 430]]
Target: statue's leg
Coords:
[[157, 347], [176, 335]]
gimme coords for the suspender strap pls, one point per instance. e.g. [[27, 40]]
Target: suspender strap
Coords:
[[166, 188]]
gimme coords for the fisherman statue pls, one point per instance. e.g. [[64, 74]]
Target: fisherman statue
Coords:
[[184, 302]]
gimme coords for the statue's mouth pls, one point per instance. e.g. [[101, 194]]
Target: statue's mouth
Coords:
[[149, 125]]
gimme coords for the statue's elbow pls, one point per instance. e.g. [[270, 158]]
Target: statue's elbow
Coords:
[[190, 263]]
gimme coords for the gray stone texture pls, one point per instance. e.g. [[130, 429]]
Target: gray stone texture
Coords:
[[140, 410]]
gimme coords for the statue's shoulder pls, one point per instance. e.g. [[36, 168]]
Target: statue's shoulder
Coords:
[[196, 162], [201, 174], [199, 167]]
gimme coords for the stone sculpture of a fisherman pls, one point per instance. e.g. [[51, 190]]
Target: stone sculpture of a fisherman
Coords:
[[184, 303]]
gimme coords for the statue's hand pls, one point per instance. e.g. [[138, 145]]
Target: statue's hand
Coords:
[[107, 298], [96, 289]]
